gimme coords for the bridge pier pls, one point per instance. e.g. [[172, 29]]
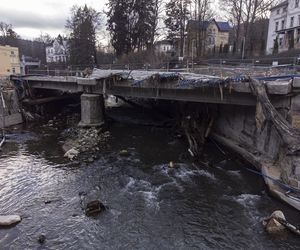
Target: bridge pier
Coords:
[[92, 110]]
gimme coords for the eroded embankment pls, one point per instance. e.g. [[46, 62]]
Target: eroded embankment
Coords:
[[260, 135]]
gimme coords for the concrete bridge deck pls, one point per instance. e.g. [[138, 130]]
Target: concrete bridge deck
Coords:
[[167, 86]]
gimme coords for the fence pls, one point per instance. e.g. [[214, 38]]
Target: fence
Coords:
[[215, 67]]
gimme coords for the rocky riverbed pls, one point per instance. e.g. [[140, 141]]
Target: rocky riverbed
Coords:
[[85, 143]]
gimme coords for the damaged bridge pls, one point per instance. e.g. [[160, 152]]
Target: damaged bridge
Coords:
[[253, 117], [184, 87]]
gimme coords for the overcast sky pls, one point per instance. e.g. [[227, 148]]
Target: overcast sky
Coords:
[[30, 18]]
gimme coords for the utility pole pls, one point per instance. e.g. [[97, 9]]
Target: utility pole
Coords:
[[243, 51]]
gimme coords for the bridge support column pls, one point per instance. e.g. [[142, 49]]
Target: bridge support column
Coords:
[[92, 110]]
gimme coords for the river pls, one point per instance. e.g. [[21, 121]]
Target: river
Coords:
[[150, 206]]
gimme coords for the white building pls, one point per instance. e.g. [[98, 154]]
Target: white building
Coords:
[[57, 51], [284, 26], [164, 47]]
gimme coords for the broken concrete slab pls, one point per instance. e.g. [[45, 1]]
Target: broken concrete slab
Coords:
[[273, 88], [296, 82], [279, 87]]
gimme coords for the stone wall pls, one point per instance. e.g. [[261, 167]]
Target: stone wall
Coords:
[[241, 126], [238, 123], [12, 110]]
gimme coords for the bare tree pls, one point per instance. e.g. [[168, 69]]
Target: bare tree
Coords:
[[7, 35], [243, 15], [44, 38]]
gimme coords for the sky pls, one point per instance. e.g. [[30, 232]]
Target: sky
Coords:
[[30, 18]]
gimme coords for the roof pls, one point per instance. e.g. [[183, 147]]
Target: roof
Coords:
[[169, 42], [284, 3], [222, 26], [194, 24]]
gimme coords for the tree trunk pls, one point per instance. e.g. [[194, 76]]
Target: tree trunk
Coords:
[[288, 134]]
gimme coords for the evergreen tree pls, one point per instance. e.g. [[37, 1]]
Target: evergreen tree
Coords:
[[83, 24], [177, 14], [132, 24], [118, 25]]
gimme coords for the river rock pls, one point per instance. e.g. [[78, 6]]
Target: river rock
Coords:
[[171, 164], [94, 207], [42, 239], [72, 153], [9, 220], [272, 224], [91, 160], [124, 153]]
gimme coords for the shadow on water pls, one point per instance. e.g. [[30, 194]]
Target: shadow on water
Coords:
[[151, 206]]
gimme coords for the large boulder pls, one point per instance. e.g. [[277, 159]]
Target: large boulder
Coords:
[[273, 225], [9, 220], [72, 153]]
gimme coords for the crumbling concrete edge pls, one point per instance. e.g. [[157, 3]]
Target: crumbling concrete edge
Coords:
[[267, 168]]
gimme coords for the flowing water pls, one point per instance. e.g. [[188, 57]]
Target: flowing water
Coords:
[[150, 205]]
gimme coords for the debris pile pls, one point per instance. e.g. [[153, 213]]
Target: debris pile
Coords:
[[85, 143]]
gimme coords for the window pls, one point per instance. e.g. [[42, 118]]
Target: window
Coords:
[[282, 24], [12, 52], [280, 41], [278, 12], [284, 9], [276, 26], [298, 19], [296, 3], [14, 70], [292, 22]]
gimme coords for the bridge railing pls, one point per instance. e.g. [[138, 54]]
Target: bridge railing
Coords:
[[216, 67], [45, 72]]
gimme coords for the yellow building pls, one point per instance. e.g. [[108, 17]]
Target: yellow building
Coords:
[[213, 36], [9, 61]]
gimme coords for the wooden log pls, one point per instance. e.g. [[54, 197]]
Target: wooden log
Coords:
[[288, 134]]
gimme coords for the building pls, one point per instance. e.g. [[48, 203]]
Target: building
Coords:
[[214, 36], [57, 51], [9, 61], [284, 27], [164, 47]]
